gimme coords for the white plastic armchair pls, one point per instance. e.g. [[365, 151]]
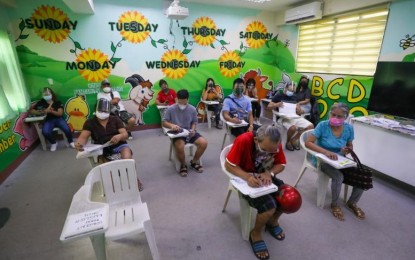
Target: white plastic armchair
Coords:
[[245, 209], [228, 129], [115, 183]]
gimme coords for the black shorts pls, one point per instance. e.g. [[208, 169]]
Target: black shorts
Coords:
[[125, 116], [188, 139], [266, 202]]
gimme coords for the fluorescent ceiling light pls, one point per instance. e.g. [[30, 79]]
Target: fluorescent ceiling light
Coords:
[[258, 1]]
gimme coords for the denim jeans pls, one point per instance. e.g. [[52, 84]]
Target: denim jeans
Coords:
[[47, 129]]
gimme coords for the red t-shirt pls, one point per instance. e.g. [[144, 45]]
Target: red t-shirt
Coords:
[[170, 96], [241, 153]]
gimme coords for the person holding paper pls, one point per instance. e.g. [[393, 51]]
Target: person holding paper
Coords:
[[237, 108], [257, 158], [252, 92], [184, 116], [50, 106], [104, 128], [333, 137], [213, 92], [294, 126]]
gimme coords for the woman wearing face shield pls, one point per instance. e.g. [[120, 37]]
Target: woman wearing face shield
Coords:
[[104, 127], [50, 106]]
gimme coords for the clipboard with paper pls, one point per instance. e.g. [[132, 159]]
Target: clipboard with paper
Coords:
[[288, 111], [92, 149], [242, 186]]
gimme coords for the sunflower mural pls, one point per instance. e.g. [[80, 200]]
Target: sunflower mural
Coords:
[[204, 26], [51, 24], [137, 24], [95, 65], [174, 60], [256, 30], [230, 64]]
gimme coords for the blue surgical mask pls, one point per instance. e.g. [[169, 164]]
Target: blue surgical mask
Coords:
[[47, 97], [289, 93]]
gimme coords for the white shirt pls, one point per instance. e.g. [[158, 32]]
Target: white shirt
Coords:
[[108, 97]]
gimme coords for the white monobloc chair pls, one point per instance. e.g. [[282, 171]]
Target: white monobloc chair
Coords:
[[115, 183], [228, 129], [245, 209], [322, 179]]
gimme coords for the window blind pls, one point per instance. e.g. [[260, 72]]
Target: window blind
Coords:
[[346, 44]]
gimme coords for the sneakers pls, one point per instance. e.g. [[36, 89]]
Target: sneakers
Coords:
[[72, 145], [257, 122], [53, 147], [130, 137]]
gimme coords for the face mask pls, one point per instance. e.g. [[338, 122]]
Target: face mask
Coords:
[[238, 91], [102, 115], [47, 97], [107, 89], [289, 93], [182, 107], [334, 121]]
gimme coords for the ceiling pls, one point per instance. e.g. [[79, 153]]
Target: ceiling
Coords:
[[273, 5]]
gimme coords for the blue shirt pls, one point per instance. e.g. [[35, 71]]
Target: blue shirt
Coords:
[[240, 110], [328, 141]]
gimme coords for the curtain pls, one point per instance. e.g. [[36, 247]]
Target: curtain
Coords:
[[13, 93]]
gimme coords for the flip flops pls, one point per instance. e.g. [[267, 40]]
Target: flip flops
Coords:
[[289, 146], [196, 166], [259, 247], [276, 232], [183, 171]]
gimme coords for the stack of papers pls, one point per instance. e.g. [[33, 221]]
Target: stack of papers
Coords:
[[288, 110], [92, 149], [242, 123], [83, 223], [183, 133], [252, 192], [340, 163]]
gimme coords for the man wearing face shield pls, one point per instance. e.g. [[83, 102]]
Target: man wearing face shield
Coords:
[[237, 107], [104, 127], [53, 109], [295, 126], [184, 116], [117, 108]]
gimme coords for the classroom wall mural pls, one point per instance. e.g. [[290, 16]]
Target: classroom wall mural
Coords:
[[134, 46]]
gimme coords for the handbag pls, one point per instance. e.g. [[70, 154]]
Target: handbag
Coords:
[[359, 176]]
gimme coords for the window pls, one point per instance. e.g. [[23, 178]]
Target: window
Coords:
[[13, 94], [346, 44]]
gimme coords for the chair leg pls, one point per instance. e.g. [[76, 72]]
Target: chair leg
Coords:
[[300, 176], [323, 181], [346, 191], [171, 150], [245, 212], [148, 228], [98, 243], [227, 199], [224, 139]]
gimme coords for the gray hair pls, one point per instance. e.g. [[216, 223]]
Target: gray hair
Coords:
[[269, 131], [342, 106]]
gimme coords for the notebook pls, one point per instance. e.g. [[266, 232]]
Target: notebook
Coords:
[[85, 222], [340, 163], [181, 133], [252, 192], [242, 123], [288, 110], [92, 149]]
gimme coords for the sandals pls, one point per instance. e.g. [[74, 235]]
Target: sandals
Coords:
[[276, 231], [337, 212], [296, 145], [196, 166], [183, 171], [289, 146], [259, 247], [358, 212]]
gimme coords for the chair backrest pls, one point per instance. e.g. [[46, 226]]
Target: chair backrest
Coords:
[[119, 180], [303, 138], [223, 155]]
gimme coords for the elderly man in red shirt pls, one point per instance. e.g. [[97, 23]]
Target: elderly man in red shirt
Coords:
[[258, 158]]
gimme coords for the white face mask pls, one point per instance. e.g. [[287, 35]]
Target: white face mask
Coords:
[[107, 89], [182, 107], [289, 93], [102, 115], [47, 97]]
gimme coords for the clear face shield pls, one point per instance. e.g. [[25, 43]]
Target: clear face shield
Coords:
[[103, 109]]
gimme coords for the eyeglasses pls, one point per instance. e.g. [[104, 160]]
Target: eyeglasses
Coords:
[[337, 116], [263, 151]]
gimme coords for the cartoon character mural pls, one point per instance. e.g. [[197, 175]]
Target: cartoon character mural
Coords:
[[259, 79], [140, 95], [77, 110], [25, 130]]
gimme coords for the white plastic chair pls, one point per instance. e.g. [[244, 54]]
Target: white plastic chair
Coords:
[[115, 183], [245, 209], [322, 179], [228, 130], [188, 153]]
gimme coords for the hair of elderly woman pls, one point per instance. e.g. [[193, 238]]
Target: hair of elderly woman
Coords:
[[342, 106], [269, 131]]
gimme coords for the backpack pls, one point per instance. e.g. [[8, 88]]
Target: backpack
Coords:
[[314, 112]]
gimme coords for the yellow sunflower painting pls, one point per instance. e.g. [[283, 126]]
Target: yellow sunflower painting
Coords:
[[174, 64], [93, 65], [49, 22], [228, 64], [256, 28], [203, 33], [136, 24]]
